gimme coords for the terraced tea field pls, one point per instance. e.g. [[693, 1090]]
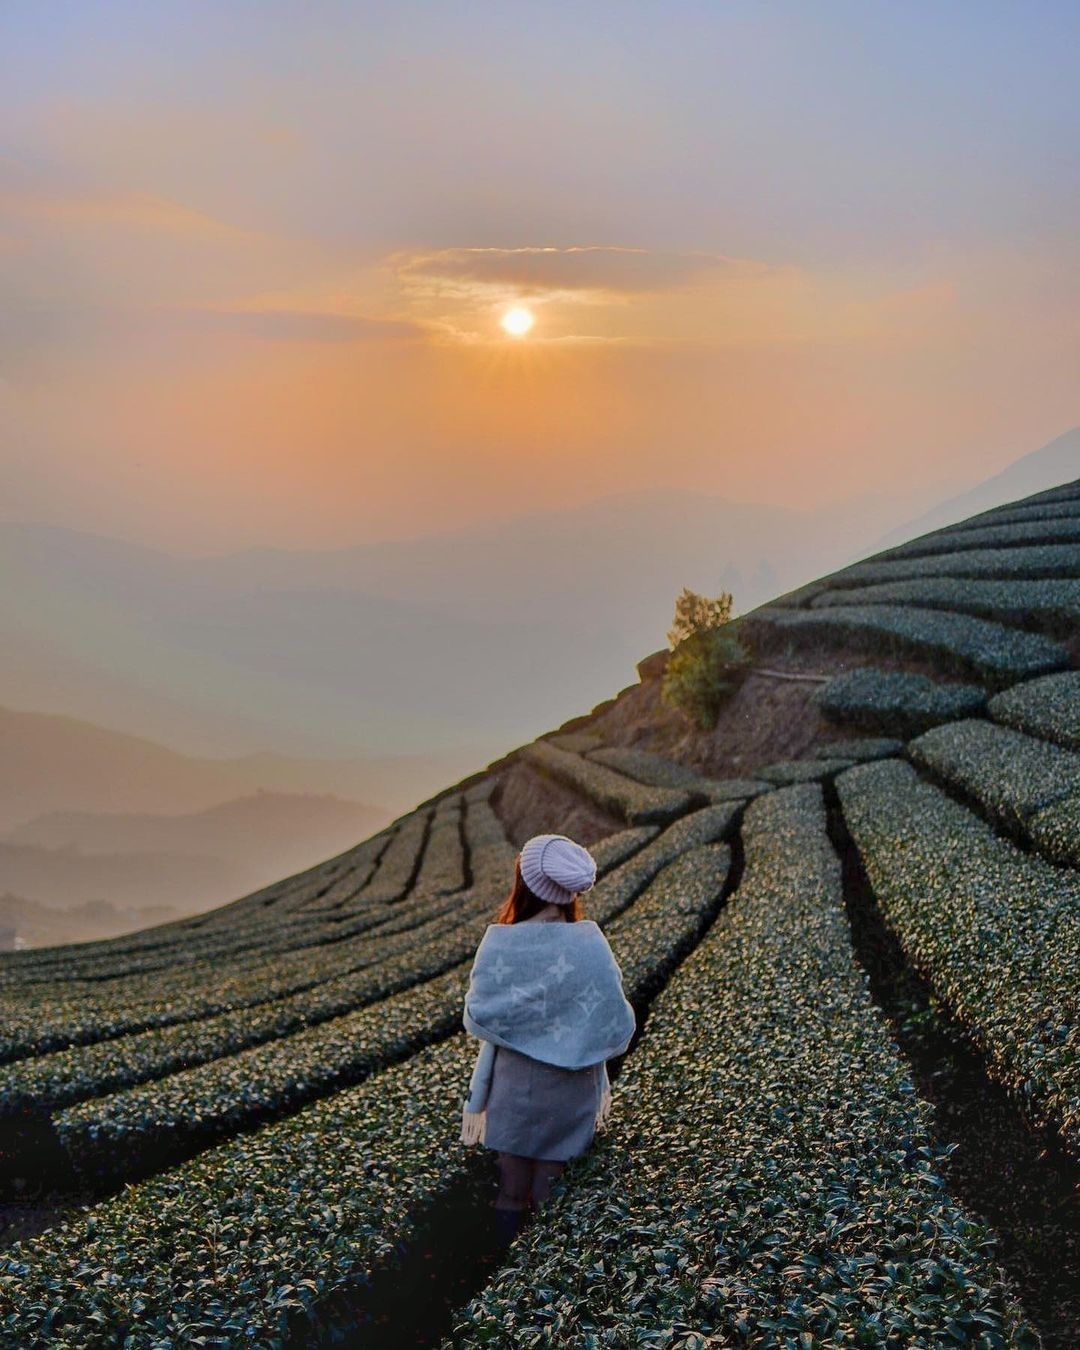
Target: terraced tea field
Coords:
[[850, 1116]]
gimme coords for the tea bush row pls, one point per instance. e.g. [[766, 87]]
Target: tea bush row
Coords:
[[60, 1020], [164, 944], [1034, 561], [965, 644], [577, 742], [895, 704], [858, 748], [1053, 602], [254, 922], [1004, 515], [1013, 778], [784, 772], [1052, 530], [346, 887], [41, 1085], [399, 864], [289, 960], [994, 930], [442, 868], [254, 937], [248, 931], [1065, 492], [1048, 707], [657, 771], [622, 797]]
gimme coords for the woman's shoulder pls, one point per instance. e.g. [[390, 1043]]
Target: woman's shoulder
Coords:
[[542, 926]]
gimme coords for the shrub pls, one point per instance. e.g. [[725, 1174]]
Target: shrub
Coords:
[[697, 613], [707, 659], [702, 672]]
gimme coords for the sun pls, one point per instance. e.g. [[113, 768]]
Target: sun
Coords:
[[517, 322]]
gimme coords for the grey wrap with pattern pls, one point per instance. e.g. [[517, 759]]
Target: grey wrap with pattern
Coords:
[[552, 991]]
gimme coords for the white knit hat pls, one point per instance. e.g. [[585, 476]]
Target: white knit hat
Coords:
[[554, 867]]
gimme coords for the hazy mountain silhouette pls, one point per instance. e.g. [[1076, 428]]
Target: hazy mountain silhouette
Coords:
[[38, 925], [294, 829], [56, 763], [1057, 462], [186, 862], [67, 877]]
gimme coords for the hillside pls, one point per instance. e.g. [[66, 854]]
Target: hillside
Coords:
[[848, 919]]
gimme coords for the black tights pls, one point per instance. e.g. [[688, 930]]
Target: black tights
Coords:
[[525, 1181]]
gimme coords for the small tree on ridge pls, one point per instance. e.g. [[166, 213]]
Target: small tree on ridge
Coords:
[[706, 663]]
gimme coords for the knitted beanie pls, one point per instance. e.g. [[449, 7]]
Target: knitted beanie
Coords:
[[554, 867]]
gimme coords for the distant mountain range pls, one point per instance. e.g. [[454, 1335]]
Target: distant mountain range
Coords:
[[58, 763], [187, 862], [67, 877], [37, 925], [294, 829]]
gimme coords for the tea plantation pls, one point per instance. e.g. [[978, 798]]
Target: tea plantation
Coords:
[[243, 1128]]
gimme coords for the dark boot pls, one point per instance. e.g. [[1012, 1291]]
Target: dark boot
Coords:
[[508, 1223]]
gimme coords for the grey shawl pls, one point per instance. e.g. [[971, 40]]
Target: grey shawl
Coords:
[[552, 991]]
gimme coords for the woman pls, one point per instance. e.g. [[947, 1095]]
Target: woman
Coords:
[[546, 1000]]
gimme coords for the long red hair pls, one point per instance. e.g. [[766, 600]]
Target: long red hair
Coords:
[[522, 903]]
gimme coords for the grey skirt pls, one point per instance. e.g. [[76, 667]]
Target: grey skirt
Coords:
[[539, 1110]]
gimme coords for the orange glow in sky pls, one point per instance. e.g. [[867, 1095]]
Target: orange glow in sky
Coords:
[[298, 284]]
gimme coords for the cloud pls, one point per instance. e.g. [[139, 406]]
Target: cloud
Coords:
[[130, 210], [301, 325], [26, 331], [591, 270]]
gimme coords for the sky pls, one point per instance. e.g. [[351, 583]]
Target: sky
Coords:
[[254, 257]]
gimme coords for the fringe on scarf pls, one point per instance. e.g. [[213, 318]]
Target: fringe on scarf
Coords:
[[604, 1109], [473, 1125]]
